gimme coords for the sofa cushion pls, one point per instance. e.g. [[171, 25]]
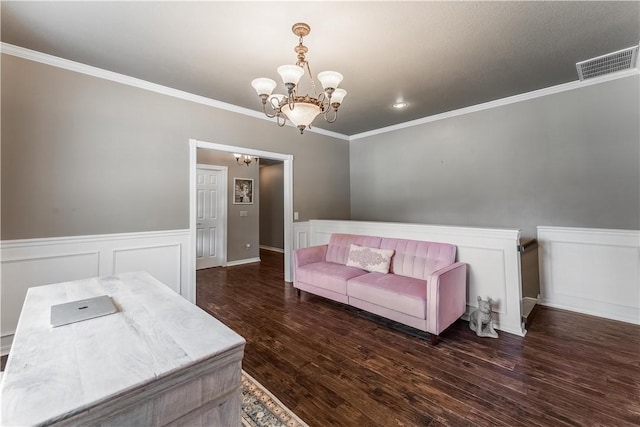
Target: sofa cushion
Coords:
[[339, 245], [328, 275], [418, 259], [404, 294], [370, 259]]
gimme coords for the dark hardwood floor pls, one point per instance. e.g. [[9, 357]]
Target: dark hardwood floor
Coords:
[[336, 367]]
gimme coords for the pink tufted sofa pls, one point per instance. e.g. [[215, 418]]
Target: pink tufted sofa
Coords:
[[425, 287]]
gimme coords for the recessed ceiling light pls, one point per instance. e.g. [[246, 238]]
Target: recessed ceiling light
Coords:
[[399, 105]]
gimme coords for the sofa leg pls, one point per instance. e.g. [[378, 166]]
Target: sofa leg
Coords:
[[435, 339], [298, 292]]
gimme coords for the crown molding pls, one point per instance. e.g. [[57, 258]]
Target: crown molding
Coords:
[[66, 64], [78, 67], [499, 103]]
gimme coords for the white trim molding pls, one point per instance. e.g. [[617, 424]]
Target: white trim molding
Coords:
[[287, 160], [301, 234], [242, 262], [491, 255], [591, 270], [78, 67], [500, 102], [272, 249], [35, 262]]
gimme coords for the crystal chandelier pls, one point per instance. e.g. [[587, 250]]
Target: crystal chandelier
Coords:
[[300, 110]]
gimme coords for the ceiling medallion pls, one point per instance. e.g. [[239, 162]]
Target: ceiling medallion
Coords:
[[300, 110]]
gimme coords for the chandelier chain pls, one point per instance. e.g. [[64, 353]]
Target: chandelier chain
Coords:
[[313, 83], [302, 62]]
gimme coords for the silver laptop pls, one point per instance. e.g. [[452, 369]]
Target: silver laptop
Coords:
[[76, 311]]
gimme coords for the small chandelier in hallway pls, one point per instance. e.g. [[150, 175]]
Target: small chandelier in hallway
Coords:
[[245, 159]]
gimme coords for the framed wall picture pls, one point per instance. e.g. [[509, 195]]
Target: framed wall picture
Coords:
[[242, 191]]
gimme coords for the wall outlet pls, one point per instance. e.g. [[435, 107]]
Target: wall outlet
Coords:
[[248, 245]]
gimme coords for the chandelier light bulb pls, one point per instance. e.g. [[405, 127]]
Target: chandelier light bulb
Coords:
[[263, 86], [302, 115], [330, 79], [290, 73], [338, 96], [276, 98]]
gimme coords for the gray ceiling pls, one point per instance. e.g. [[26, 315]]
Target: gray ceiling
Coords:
[[437, 56]]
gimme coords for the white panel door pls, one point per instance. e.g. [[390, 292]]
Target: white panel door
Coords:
[[210, 213]]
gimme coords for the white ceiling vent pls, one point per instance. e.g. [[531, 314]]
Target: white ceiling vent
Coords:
[[624, 59]]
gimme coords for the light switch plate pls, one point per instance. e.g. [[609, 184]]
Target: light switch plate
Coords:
[[243, 213]]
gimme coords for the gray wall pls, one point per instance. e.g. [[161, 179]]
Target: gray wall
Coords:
[[272, 206], [568, 159], [240, 229], [82, 155]]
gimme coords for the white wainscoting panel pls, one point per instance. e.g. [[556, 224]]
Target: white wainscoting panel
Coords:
[[36, 262], [487, 276], [300, 235], [591, 271], [159, 259], [490, 253]]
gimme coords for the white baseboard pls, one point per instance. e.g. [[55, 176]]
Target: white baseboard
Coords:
[[272, 249], [242, 261], [35, 262], [608, 314], [591, 271]]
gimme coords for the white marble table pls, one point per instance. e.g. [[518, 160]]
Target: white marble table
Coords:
[[159, 360]]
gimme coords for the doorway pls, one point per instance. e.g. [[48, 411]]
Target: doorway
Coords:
[[286, 159], [271, 205]]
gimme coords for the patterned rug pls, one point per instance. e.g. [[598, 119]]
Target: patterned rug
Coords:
[[262, 409]]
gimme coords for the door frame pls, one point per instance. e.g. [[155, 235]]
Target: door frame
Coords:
[[222, 203], [287, 160]]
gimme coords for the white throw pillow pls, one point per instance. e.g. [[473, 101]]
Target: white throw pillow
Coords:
[[370, 259]]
